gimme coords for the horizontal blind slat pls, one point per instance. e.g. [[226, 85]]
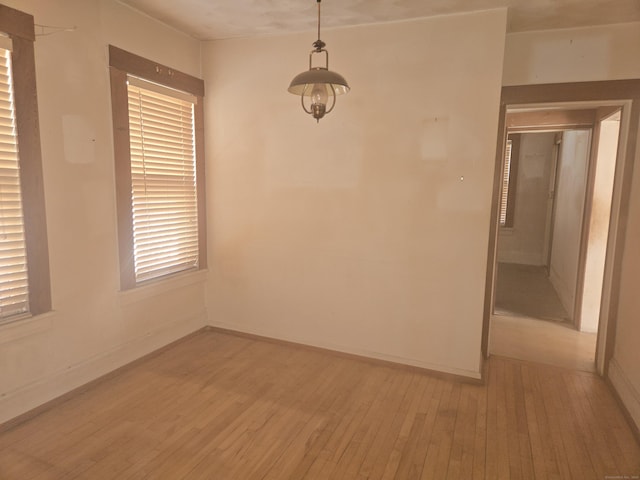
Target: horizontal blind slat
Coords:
[[505, 184], [14, 284]]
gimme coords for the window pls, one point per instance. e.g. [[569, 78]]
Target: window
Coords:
[[24, 258], [163, 181], [505, 183], [14, 287], [509, 176], [157, 115]]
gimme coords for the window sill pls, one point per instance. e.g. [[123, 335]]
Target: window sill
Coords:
[[162, 286], [25, 327]]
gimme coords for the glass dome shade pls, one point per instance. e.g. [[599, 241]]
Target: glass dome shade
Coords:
[[303, 83]]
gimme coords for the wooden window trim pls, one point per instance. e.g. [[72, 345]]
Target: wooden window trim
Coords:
[[17, 24], [154, 72], [20, 28], [121, 64]]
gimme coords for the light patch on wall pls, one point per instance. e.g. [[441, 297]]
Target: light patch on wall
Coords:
[[434, 139], [79, 139], [328, 155]]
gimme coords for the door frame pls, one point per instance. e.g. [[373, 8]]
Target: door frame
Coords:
[[600, 114], [625, 93]]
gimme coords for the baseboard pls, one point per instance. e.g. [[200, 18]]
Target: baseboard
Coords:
[[627, 395], [459, 374], [25, 399]]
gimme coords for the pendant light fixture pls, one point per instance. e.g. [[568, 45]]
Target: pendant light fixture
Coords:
[[319, 84]]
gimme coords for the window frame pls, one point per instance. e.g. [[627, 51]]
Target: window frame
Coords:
[[512, 182], [19, 26], [122, 64]]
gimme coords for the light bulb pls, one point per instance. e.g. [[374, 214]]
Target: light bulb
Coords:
[[319, 95]]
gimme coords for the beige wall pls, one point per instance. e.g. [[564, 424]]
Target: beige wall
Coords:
[[602, 53], [94, 328], [367, 232], [624, 370], [571, 185], [572, 55]]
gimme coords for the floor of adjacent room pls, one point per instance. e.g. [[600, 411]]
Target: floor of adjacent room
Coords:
[[225, 406], [530, 322]]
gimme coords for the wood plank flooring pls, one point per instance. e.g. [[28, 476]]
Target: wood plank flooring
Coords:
[[220, 406], [541, 341]]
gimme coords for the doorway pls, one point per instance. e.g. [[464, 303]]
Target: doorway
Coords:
[[538, 249], [539, 110], [526, 283]]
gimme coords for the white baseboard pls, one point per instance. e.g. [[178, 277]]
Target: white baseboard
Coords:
[[351, 351], [629, 395], [27, 397]]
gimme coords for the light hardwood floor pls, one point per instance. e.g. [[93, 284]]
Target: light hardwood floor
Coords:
[[553, 343], [220, 406]]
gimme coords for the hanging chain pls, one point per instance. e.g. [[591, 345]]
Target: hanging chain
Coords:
[[319, 19], [319, 44]]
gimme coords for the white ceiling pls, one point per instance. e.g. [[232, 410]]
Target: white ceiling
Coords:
[[217, 19]]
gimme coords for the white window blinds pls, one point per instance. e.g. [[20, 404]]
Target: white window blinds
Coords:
[[505, 184], [14, 285], [163, 180]]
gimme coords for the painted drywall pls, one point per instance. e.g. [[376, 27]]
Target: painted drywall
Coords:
[[572, 55], [94, 328], [624, 370], [366, 232], [571, 184], [587, 54], [524, 242], [599, 224]]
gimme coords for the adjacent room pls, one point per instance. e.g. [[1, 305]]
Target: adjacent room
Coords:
[[215, 266], [555, 215]]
